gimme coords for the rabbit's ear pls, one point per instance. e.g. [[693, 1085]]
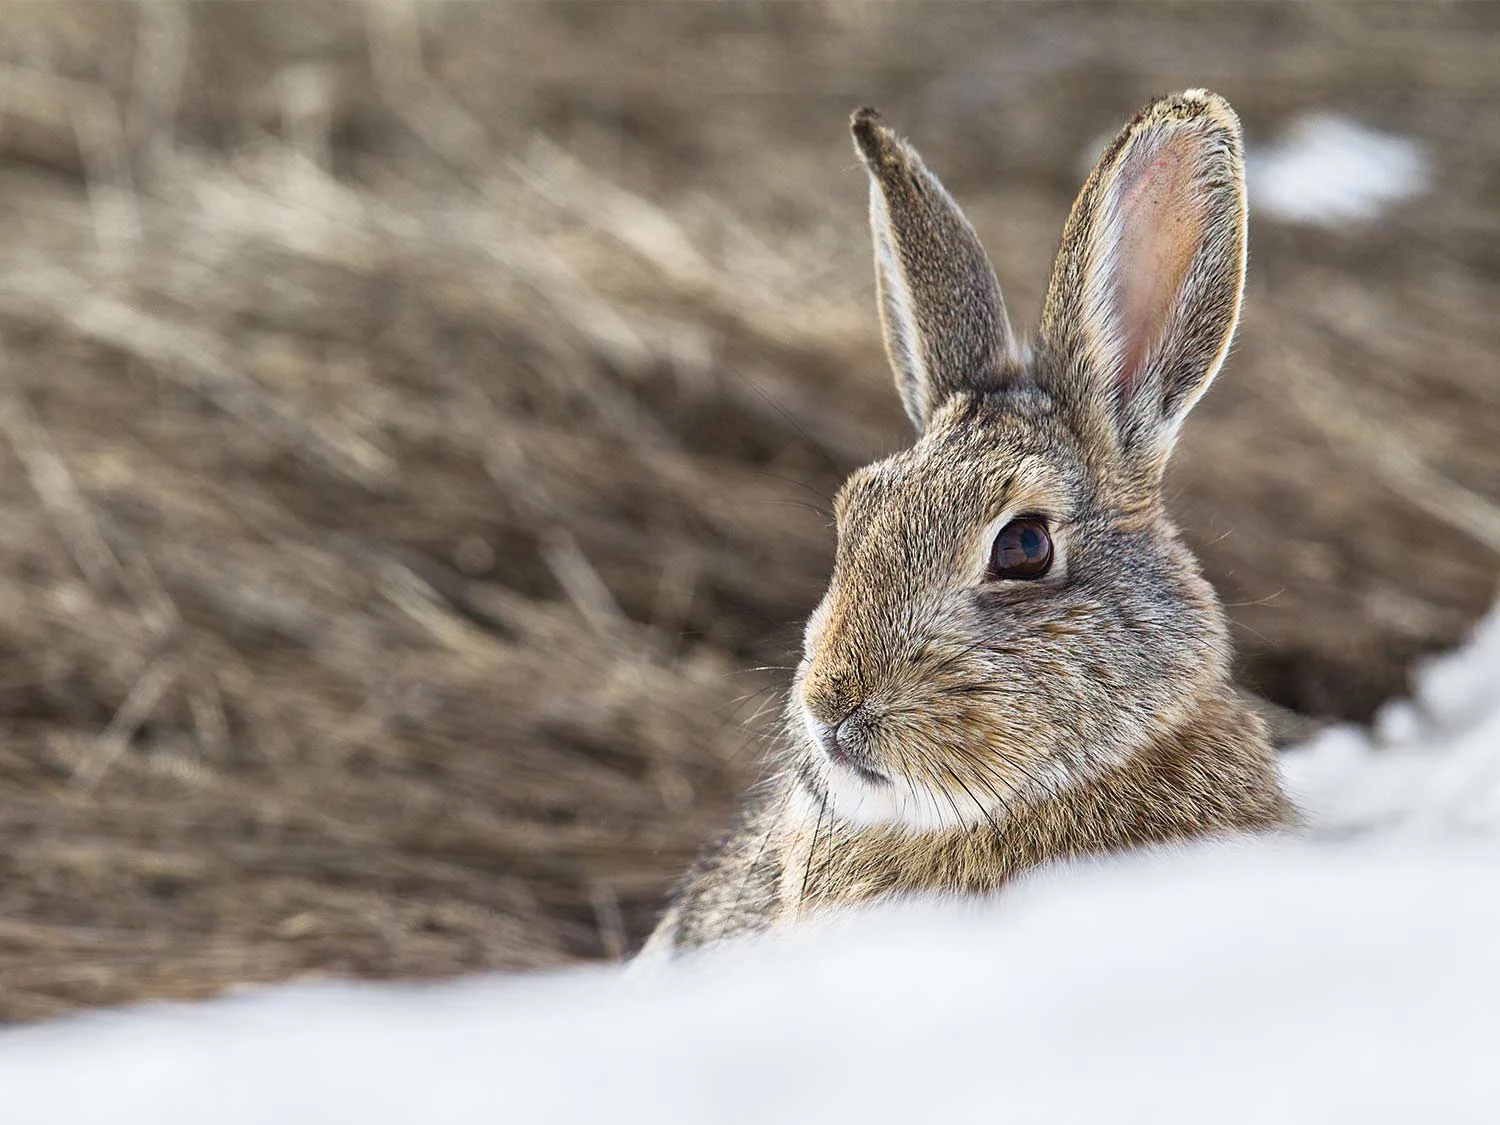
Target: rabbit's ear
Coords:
[[1147, 286], [944, 320]]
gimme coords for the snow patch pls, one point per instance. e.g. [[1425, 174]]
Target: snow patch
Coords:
[[1430, 766], [1330, 170], [1251, 983]]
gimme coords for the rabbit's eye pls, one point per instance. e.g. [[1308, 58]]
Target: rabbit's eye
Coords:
[[1023, 549]]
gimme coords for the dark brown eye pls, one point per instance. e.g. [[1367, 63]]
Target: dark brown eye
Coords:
[[1023, 549]]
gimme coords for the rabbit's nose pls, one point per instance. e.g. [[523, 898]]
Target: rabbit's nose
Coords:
[[846, 742], [828, 739]]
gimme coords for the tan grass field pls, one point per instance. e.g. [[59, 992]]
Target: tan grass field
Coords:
[[417, 423]]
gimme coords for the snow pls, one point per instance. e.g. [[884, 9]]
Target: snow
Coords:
[[1277, 985], [1431, 766], [1330, 170], [1352, 976]]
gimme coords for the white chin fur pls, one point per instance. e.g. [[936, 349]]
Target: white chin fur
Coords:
[[897, 803], [905, 803], [865, 804]]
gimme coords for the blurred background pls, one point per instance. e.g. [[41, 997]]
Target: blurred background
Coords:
[[417, 419]]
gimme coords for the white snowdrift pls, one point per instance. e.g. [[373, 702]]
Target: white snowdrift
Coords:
[[1328, 170], [1351, 977], [1253, 985], [1430, 768]]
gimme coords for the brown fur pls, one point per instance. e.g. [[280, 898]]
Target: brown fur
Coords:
[[1171, 790], [984, 727], [959, 330]]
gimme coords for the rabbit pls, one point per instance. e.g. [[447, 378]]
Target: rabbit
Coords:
[[1017, 660]]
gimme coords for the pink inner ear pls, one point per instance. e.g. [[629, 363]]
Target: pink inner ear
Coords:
[[1162, 218]]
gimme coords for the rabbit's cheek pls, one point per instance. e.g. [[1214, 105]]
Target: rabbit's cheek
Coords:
[[817, 623]]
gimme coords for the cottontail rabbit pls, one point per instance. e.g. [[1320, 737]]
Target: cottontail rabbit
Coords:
[[1017, 659]]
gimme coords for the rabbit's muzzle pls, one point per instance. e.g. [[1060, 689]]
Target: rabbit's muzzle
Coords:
[[846, 743]]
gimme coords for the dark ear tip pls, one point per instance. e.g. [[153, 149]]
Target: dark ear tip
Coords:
[[1197, 105], [872, 136]]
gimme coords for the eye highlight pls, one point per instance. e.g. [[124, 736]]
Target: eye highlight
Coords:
[[1022, 550]]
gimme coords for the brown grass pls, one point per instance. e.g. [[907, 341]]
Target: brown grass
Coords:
[[416, 423]]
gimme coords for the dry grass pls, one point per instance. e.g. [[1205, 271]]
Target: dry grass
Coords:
[[415, 425]]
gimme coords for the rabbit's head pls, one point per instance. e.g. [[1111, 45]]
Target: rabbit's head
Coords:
[[1011, 610]]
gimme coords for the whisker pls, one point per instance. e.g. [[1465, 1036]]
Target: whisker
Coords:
[[1256, 601], [988, 815], [812, 849], [821, 495], [760, 851], [817, 445], [958, 816], [1011, 763], [985, 770]]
